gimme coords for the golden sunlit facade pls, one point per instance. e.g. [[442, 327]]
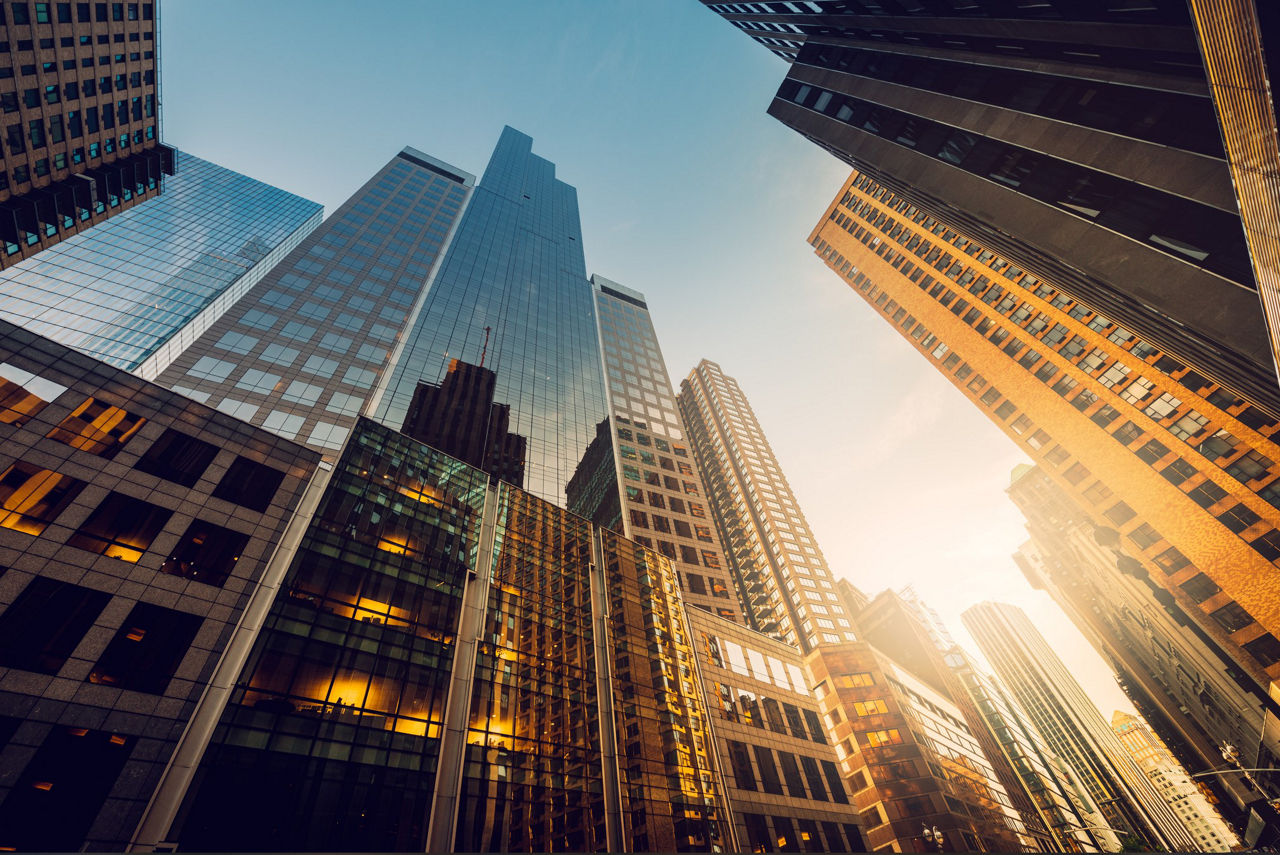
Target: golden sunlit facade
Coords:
[[1183, 468]]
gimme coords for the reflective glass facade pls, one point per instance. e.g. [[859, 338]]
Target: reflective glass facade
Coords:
[[512, 294], [302, 352], [136, 289], [332, 735]]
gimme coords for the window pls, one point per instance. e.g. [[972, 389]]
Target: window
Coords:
[[1232, 617], [740, 760], [121, 527], [1178, 471], [31, 497], [1163, 407], [1097, 491], [178, 458], [44, 625], [1200, 587], [1145, 536], [97, 427], [206, 553], [250, 484], [1250, 466], [876, 738], [1265, 648], [1238, 518], [1076, 473], [147, 649], [1206, 494], [1120, 513], [1190, 425], [1171, 560], [1267, 544], [1152, 451]]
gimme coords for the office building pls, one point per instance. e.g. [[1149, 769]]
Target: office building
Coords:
[[139, 534], [1181, 467], [79, 89], [657, 493], [513, 293], [909, 758], [453, 665], [1073, 821], [783, 578], [137, 290], [1182, 681], [779, 765], [1084, 144], [1072, 725], [301, 353], [1173, 784], [908, 632]]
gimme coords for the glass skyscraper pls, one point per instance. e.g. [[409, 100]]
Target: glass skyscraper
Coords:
[[135, 289], [512, 295], [301, 353]]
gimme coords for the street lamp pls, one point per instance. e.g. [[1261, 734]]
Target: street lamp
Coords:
[[932, 836]]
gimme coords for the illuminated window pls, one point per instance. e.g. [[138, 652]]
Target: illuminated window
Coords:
[[207, 553], [121, 527], [97, 427], [23, 394], [31, 497]]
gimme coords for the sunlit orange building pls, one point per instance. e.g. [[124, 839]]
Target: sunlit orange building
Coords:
[[1182, 467]]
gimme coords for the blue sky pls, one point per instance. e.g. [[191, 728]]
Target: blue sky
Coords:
[[689, 192]]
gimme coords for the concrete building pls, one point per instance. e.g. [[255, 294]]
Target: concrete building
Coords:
[[1072, 725], [140, 533], [80, 91], [780, 571], [1110, 150], [1180, 466], [136, 291], [1173, 784]]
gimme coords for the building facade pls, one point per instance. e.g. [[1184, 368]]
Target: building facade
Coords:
[[661, 497], [302, 352], [1072, 725], [513, 294], [909, 758], [1069, 815], [1173, 784], [79, 87], [1187, 687], [783, 577], [1180, 466], [1085, 147], [135, 291], [138, 529]]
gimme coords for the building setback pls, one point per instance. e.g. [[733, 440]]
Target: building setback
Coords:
[[1185, 684], [301, 353], [1072, 725], [79, 89], [1173, 784], [1181, 467], [137, 531], [1082, 143], [780, 571], [135, 291]]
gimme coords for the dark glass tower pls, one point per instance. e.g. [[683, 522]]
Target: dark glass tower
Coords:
[[1077, 141], [515, 278]]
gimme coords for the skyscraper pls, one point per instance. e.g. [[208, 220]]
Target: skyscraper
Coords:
[[139, 532], [1183, 469], [135, 291], [663, 498], [1173, 784], [513, 289], [302, 352], [1080, 142], [788, 588], [79, 89], [1185, 684], [1072, 725]]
